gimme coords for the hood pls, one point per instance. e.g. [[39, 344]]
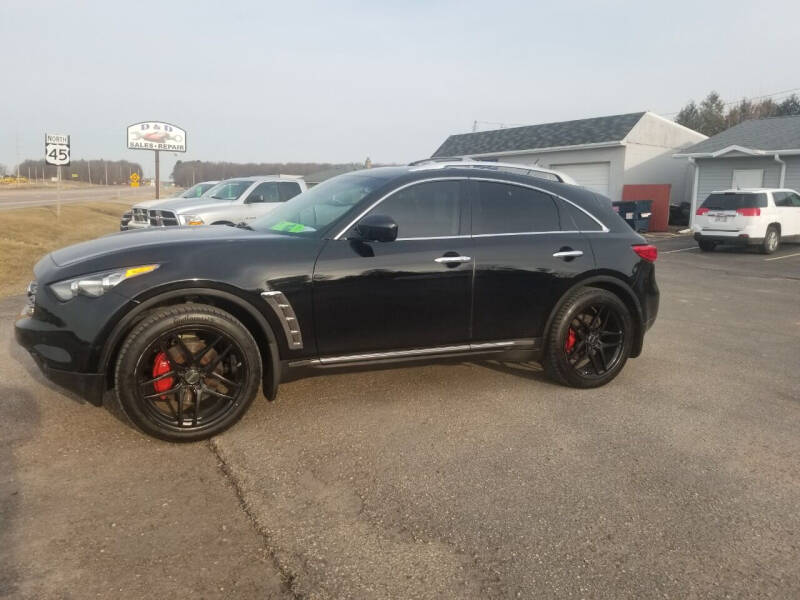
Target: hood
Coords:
[[188, 205], [142, 244], [150, 203]]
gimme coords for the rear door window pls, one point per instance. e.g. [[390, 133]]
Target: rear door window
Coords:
[[734, 200], [264, 192], [502, 208], [288, 189]]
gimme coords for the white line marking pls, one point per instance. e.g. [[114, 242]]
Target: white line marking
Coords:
[[680, 250], [785, 256]]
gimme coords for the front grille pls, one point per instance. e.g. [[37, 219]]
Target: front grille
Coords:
[[140, 215], [162, 218]]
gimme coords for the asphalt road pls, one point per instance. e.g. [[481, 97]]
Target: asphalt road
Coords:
[[680, 479], [11, 198]]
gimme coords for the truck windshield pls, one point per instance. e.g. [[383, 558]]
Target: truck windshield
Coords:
[[734, 200], [197, 190], [313, 211], [229, 190]]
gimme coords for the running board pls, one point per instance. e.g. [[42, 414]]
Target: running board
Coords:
[[437, 351]]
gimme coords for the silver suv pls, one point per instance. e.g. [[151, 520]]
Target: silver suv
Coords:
[[230, 202]]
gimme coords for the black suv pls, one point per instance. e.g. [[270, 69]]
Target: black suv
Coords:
[[427, 261]]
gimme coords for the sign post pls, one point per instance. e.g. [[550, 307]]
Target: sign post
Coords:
[[57, 152], [156, 136]]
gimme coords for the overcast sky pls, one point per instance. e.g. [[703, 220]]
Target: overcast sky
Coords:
[[340, 81]]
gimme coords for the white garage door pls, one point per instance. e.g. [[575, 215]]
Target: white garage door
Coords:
[[593, 176]]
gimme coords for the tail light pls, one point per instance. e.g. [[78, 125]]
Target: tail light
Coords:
[[701, 211], [646, 251], [749, 212]]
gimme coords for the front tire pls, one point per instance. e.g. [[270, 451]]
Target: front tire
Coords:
[[772, 240], [589, 340], [187, 372]]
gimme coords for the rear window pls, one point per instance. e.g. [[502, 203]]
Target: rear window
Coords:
[[733, 200], [580, 220], [502, 208]]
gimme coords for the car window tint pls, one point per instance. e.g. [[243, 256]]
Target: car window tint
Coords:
[[505, 208], [574, 218], [781, 199], [264, 192], [795, 199], [229, 190], [424, 210], [734, 200], [288, 189]]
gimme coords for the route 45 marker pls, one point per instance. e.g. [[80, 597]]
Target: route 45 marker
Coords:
[[56, 152], [56, 149]]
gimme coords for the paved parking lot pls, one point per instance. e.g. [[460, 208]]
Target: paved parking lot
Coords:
[[680, 479]]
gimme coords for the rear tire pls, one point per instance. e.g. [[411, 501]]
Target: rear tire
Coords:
[[772, 240], [589, 339], [187, 372], [706, 246]]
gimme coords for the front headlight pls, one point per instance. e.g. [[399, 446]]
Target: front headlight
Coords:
[[192, 220], [97, 284]]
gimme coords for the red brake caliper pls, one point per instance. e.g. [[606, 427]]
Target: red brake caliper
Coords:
[[161, 366], [570, 344]]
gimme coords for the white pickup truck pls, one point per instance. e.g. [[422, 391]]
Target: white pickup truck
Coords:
[[230, 202]]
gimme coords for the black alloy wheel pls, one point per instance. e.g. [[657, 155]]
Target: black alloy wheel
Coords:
[[594, 340], [590, 339], [187, 372]]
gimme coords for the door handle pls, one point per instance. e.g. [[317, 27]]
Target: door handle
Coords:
[[453, 259], [568, 253]]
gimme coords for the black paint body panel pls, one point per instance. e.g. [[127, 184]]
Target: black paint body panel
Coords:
[[349, 296]]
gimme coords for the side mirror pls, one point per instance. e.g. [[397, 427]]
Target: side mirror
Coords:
[[377, 228]]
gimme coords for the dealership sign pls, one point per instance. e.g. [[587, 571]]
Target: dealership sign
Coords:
[[154, 135]]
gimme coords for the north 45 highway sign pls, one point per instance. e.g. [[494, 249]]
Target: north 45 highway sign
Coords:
[[56, 149]]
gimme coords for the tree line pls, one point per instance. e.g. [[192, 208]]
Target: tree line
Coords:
[[187, 173], [101, 171], [713, 115]]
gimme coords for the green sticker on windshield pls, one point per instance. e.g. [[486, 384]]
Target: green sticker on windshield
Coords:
[[290, 227]]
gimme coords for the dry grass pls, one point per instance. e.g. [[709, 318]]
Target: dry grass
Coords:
[[27, 234]]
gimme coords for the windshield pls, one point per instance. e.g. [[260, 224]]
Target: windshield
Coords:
[[197, 190], [229, 190], [733, 200], [313, 211]]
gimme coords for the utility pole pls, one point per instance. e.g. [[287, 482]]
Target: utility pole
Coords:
[[474, 126], [105, 164], [89, 166]]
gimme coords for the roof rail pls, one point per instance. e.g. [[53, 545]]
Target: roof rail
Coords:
[[468, 163]]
